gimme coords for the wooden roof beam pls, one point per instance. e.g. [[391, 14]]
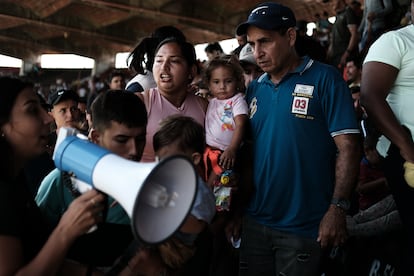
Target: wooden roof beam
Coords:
[[69, 29]]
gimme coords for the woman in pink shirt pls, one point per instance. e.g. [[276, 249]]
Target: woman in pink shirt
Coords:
[[174, 68]]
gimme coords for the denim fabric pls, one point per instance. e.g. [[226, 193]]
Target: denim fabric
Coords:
[[265, 251]]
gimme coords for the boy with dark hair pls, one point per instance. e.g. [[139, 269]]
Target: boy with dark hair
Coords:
[[180, 135], [116, 80], [125, 118], [183, 135], [353, 70], [119, 125], [63, 107], [213, 50]]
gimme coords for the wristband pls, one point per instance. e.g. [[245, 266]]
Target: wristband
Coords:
[[343, 204]]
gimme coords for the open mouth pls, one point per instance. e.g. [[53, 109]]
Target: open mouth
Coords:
[[165, 77]]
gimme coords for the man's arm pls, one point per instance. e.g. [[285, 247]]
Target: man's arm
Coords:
[[347, 164], [332, 230], [377, 80], [354, 39], [352, 44]]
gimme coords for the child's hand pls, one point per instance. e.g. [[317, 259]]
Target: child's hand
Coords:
[[227, 158]]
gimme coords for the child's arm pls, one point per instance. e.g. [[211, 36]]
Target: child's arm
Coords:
[[228, 157]]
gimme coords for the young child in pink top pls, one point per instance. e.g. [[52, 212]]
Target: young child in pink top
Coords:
[[225, 123]]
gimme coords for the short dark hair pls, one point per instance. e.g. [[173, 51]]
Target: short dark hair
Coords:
[[115, 73], [356, 59], [185, 131], [119, 106], [213, 47]]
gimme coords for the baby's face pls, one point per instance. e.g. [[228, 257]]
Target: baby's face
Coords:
[[222, 84]]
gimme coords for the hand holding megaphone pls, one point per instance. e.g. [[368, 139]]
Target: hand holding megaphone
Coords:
[[157, 196], [82, 187], [83, 213]]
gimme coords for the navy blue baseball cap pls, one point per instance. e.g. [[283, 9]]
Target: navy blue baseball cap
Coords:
[[56, 97], [268, 16]]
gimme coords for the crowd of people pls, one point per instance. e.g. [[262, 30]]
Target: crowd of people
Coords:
[[302, 146]]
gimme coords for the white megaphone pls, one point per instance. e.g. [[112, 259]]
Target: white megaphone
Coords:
[[157, 196]]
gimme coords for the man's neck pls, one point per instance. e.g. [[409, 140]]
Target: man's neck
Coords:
[[294, 62]]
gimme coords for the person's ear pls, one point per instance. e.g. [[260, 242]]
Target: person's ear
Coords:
[[196, 157], [94, 136], [291, 32]]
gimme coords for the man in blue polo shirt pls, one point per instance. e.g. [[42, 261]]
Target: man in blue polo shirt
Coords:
[[305, 152]]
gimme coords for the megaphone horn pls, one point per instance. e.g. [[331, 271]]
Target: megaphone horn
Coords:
[[157, 196]]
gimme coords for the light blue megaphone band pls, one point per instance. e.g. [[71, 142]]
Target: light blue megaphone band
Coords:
[[79, 157]]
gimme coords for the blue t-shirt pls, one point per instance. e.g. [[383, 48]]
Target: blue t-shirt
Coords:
[[293, 125], [54, 198]]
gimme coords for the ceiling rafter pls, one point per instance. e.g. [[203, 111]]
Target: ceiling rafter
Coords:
[[67, 29], [100, 28], [136, 9], [52, 8], [35, 46]]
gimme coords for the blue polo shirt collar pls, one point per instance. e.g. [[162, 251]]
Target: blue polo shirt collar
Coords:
[[303, 66]]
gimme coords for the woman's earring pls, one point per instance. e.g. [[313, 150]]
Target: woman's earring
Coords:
[[2, 134]]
